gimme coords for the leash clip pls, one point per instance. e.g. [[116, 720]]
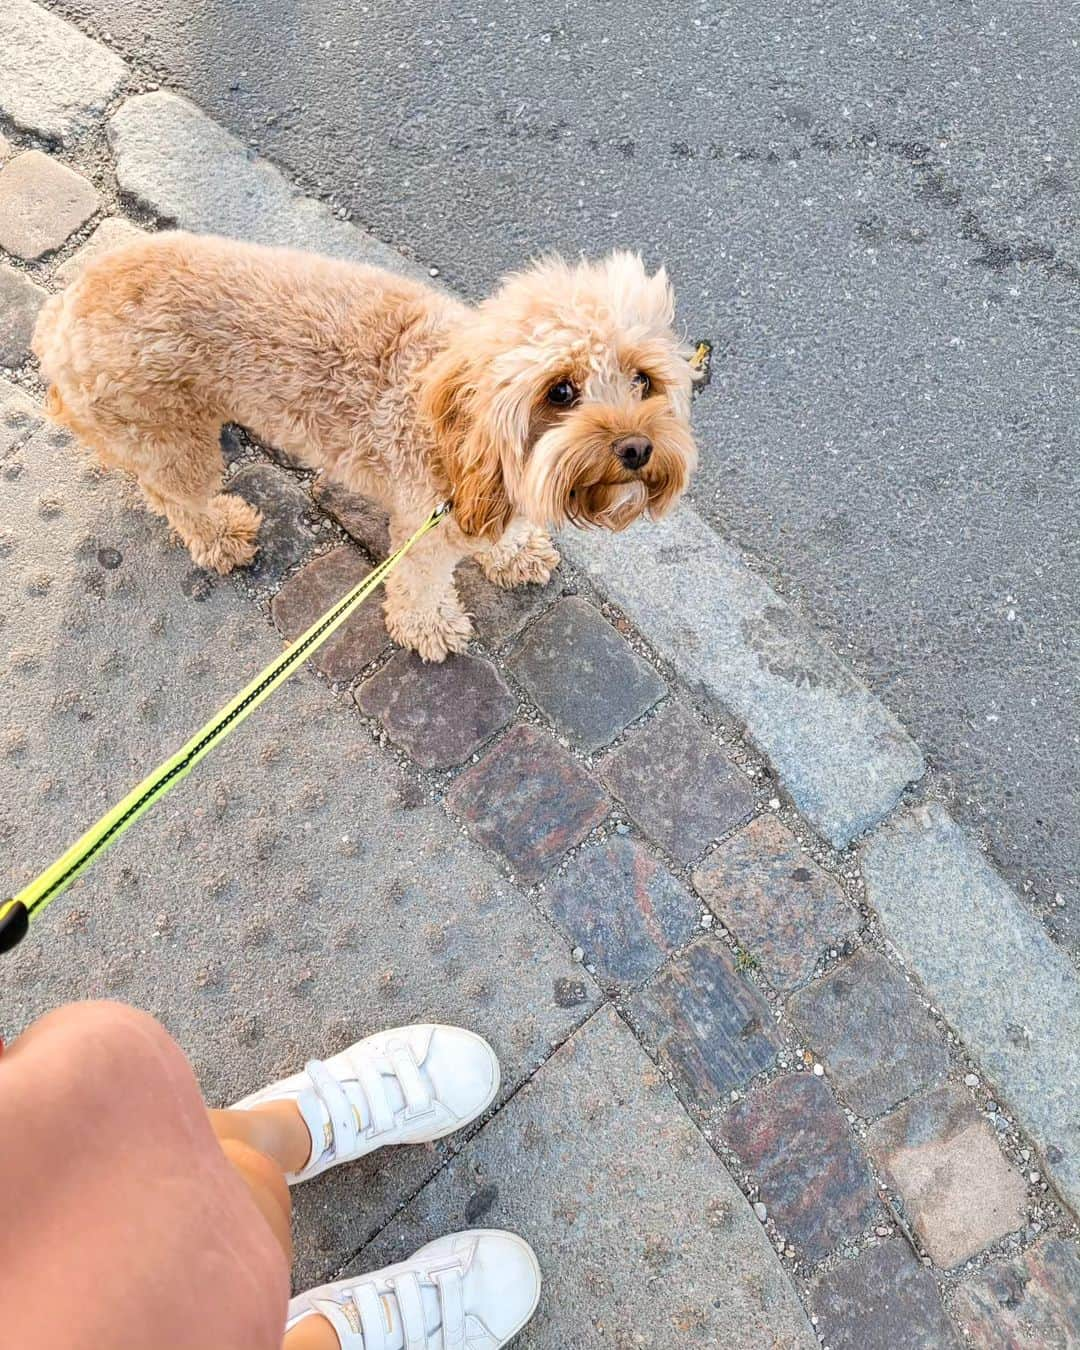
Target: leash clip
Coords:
[[443, 509], [14, 923]]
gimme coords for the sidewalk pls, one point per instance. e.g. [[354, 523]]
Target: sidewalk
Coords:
[[745, 1057]]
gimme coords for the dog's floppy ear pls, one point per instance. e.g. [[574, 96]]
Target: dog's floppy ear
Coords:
[[464, 441]]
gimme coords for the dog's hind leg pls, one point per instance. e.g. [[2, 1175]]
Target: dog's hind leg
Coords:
[[180, 476]]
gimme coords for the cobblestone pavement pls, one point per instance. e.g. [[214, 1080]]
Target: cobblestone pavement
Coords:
[[731, 1114]]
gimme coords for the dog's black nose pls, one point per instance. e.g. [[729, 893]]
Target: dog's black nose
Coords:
[[633, 451]]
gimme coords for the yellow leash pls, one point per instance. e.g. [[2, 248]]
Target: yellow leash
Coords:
[[17, 913]]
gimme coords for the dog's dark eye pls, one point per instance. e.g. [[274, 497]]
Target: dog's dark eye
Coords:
[[562, 394], [641, 381]]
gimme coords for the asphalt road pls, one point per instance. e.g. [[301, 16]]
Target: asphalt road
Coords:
[[871, 207]]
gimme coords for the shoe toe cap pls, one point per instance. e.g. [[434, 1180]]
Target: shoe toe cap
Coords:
[[464, 1071], [503, 1282]]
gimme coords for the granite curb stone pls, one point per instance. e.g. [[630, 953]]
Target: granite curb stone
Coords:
[[842, 756], [180, 164], [997, 976]]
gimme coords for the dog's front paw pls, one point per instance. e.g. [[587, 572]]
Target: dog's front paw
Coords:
[[530, 562], [431, 633], [229, 538]]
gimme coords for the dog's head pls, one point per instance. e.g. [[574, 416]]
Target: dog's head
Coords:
[[565, 397]]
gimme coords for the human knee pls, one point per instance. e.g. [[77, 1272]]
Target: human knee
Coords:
[[106, 1025]]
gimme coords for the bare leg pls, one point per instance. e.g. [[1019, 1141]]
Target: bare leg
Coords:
[[422, 608], [262, 1145], [523, 554], [313, 1333]]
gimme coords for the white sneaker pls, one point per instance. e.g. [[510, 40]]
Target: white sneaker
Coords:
[[468, 1291], [405, 1086]]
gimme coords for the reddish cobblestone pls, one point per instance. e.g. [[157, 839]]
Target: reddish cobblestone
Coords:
[[582, 675], [884, 1299], [866, 1022], [776, 900], [529, 800], [796, 1142], [626, 911], [286, 535], [678, 784], [311, 592], [711, 1027], [367, 523], [959, 1192], [1029, 1303], [499, 614], [440, 714], [42, 202]]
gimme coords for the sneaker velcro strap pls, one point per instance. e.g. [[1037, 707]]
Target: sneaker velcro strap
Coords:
[[417, 1097], [369, 1076], [411, 1307], [339, 1108], [369, 1305], [453, 1308]]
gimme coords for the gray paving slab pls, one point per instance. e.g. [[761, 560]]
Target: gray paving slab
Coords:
[[1009, 991], [53, 80], [19, 416], [283, 900], [178, 163], [642, 1237], [841, 755]]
